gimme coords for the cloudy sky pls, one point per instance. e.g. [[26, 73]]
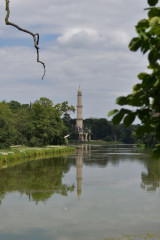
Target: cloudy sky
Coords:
[[82, 43]]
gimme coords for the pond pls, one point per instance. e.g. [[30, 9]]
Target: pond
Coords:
[[100, 192]]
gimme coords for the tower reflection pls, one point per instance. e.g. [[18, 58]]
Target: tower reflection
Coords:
[[79, 165], [83, 149]]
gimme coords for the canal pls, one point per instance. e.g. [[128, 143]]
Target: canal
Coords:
[[100, 192]]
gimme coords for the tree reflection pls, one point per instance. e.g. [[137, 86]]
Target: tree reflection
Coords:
[[37, 179], [151, 178], [40, 179]]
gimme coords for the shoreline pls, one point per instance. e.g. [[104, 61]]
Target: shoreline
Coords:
[[23, 153]]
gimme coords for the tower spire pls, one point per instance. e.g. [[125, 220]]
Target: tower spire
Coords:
[[83, 133], [79, 120]]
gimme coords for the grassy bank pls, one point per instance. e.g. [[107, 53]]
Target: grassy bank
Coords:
[[20, 153]]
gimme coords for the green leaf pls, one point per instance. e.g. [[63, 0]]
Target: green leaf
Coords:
[[135, 99], [154, 41], [141, 130], [155, 30], [118, 117], [144, 115], [137, 87], [142, 25], [152, 2], [112, 112], [129, 119], [121, 101], [156, 82], [143, 35], [142, 75], [153, 56], [145, 46], [148, 82], [135, 44], [154, 21], [154, 12]]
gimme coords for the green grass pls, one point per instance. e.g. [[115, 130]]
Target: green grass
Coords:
[[20, 153]]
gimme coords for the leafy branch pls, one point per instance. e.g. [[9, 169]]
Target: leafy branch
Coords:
[[34, 35], [145, 96]]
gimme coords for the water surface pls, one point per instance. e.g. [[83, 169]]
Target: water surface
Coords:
[[97, 193]]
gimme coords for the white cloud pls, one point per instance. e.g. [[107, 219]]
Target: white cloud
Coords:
[[87, 45], [80, 35], [119, 38]]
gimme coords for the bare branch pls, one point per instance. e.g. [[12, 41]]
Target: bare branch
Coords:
[[35, 36]]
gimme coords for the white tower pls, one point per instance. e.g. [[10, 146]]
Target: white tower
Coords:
[[79, 120]]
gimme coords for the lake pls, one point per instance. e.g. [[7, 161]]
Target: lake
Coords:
[[100, 192]]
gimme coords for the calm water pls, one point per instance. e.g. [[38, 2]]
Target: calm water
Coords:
[[97, 193]]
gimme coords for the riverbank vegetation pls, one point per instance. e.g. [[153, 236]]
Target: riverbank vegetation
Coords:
[[21, 153], [43, 123], [104, 131], [36, 124]]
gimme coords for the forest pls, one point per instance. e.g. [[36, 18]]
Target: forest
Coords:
[[102, 129], [43, 123], [37, 124]]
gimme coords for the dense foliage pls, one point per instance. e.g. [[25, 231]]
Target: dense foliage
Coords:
[[43, 123], [102, 129], [105, 130], [146, 94], [37, 124]]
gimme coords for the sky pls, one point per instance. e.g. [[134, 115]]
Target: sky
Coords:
[[81, 42]]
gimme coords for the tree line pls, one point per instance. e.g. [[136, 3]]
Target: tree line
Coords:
[[102, 129], [36, 124], [44, 123]]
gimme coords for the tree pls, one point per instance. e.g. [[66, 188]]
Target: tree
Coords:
[[7, 128], [64, 108], [24, 126], [47, 122], [14, 105], [126, 134], [34, 35], [100, 128], [37, 124], [146, 94]]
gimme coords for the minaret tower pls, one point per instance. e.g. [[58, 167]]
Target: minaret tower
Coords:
[[79, 120]]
